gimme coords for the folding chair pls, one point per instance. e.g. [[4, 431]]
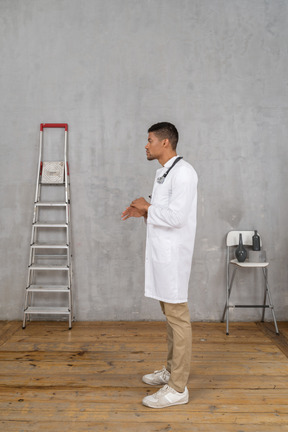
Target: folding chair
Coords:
[[232, 241]]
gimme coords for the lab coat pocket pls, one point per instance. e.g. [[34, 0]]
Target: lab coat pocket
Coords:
[[161, 250]]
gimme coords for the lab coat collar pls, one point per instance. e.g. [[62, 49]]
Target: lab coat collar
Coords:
[[170, 162]]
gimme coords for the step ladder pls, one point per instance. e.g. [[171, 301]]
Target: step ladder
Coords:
[[49, 280]]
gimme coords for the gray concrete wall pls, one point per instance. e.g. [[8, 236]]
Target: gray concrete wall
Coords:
[[216, 68]]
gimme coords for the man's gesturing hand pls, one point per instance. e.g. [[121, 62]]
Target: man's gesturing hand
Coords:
[[137, 208]]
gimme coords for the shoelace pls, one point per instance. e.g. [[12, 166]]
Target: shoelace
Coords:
[[163, 371], [165, 389]]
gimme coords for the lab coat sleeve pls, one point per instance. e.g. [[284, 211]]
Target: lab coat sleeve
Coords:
[[184, 192]]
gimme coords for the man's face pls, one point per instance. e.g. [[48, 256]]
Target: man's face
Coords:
[[154, 147]]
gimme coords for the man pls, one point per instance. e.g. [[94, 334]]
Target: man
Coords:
[[171, 226]]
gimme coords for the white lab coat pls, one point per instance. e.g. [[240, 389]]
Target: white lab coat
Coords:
[[171, 227]]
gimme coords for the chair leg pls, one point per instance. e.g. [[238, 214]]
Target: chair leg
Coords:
[[226, 308], [271, 306], [224, 312], [227, 321], [265, 294]]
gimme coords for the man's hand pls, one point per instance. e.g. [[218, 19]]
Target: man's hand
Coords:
[[140, 204], [132, 212], [137, 208]]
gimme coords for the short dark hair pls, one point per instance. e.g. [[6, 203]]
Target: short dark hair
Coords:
[[165, 130]]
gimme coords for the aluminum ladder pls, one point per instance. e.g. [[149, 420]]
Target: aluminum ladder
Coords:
[[49, 280]]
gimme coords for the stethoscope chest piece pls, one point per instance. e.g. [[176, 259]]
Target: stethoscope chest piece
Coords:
[[160, 180]]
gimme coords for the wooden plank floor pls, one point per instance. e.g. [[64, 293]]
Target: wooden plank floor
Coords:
[[89, 378]]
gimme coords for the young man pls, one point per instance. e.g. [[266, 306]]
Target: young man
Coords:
[[171, 226]]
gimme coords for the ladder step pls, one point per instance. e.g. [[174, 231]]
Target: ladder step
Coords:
[[48, 288], [50, 225], [49, 257], [48, 267], [49, 246], [50, 204], [52, 183], [47, 310]]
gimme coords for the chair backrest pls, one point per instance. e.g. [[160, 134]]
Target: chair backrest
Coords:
[[232, 238]]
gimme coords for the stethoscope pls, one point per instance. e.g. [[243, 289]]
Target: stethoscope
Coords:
[[161, 179]]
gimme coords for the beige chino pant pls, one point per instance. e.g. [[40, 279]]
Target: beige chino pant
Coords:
[[179, 339]]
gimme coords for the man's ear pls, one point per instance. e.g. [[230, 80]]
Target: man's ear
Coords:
[[166, 143]]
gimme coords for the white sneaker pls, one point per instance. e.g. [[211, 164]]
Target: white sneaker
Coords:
[[157, 378], [166, 397]]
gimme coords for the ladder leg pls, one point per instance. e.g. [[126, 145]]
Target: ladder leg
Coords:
[[25, 307], [24, 321], [70, 319], [70, 293]]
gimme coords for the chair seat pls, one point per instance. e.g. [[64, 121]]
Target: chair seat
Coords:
[[248, 264]]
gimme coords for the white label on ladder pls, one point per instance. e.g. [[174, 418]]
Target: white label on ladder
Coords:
[[53, 172]]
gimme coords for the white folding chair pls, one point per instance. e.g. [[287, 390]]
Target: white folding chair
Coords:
[[232, 241]]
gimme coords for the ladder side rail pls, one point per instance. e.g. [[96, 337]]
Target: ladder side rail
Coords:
[[69, 237], [66, 168], [36, 208], [71, 286], [28, 276], [68, 256], [67, 191], [39, 166], [70, 306], [32, 234]]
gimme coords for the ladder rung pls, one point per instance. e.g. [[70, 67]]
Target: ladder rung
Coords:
[[51, 204], [50, 225], [48, 288], [49, 257], [52, 183], [250, 306], [48, 267], [49, 246], [47, 310]]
